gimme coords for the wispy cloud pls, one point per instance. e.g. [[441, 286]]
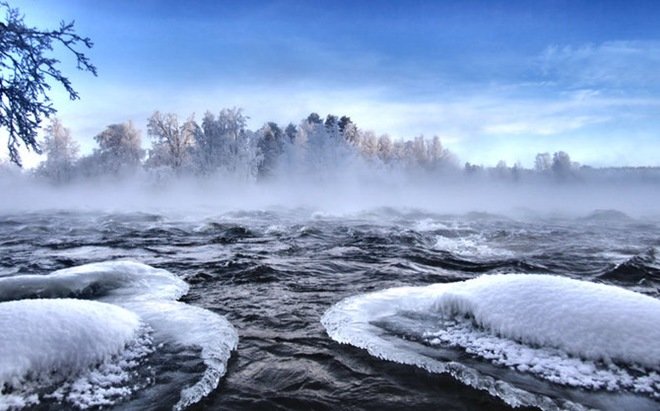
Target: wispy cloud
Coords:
[[612, 64]]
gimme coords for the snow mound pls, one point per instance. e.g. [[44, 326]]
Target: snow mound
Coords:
[[110, 280], [565, 331], [49, 341], [588, 320], [146, 294]]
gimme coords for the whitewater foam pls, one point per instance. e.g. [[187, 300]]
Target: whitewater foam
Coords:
[[473, 246]]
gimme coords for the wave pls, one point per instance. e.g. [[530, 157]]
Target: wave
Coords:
[[641, 267], [566, 332], [130, 290], [607, 216]]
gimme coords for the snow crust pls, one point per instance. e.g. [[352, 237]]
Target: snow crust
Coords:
[[140, 293], [566, 331]]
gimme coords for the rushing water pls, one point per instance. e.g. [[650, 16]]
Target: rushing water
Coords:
[[273, 275]]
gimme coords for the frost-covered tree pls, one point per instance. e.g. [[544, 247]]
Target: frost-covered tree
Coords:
[[61, 153], [384, 148], [543, 163], [119, 152], [25, 72], [367, 144], [473, 169], [562, 167], [348, 129], [501, 171], [247, 158], [319, 149], [271, 145], [219, 142], [172, 143], [517, 171], [332, 128]]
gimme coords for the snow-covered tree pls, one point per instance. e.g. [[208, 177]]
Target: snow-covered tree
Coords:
[[367, 144], [271, 145], [219, 142], [244, 164], [562, 167], [120, 151], [348, 129], [384, 148], [172, 143], [501, 171], [61, 153], [319, 149], [542, 162]]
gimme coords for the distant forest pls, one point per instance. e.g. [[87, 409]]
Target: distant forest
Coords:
[[222, 146]]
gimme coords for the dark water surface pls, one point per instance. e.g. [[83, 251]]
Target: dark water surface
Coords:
[[273, 274]]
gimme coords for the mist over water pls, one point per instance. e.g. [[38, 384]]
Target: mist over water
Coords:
[[345, 192], [330, 166]]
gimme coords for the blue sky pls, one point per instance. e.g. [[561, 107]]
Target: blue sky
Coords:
[[495, 80]]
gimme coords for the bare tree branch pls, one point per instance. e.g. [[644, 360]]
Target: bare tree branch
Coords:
[[25, 72]]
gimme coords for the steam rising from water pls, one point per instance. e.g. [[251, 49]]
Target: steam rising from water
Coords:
[[345, 193]]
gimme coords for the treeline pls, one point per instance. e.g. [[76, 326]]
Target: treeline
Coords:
[[222, 146]]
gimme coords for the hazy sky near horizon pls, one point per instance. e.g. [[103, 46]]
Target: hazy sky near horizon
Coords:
[[494, 79]]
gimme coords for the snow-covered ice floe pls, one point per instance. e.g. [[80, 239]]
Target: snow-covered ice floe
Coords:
[[57, 344], [563, 332]]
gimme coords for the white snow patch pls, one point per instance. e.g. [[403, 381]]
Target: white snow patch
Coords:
[[147, 294], [566, 331], [112, 280], [44, 342], [588, 320]]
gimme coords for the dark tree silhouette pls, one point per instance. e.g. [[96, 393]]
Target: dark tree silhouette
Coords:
[[25, 73], [314, 118], [291, 132], [271, 145], [331, 121]]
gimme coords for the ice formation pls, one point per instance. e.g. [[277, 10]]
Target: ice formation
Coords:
[[110, 280], [60, 335], [72, 333], [64, 342], [566, 331], [588, 320]]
